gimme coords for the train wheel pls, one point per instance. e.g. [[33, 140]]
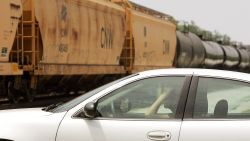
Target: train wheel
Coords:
[[3, 88], [29, 95], [12, 93]]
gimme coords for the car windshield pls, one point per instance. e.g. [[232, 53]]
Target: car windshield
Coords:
[[70, 104]]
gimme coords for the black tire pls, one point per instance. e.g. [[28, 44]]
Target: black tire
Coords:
[[28, 93], [12, 93]]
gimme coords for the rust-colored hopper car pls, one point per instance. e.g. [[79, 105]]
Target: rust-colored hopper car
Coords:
[[65, 45]]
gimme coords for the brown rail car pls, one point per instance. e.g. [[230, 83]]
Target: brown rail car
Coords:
[[50, 45]]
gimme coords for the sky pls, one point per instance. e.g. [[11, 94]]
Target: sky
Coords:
[[231, 17]]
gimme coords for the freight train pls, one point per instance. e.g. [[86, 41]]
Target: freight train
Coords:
[[72, 45]]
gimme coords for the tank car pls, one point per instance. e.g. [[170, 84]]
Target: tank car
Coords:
[[190, 50], [194, 52], [214, 55], [244, 59]]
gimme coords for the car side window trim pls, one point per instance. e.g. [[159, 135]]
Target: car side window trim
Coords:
[[75, 115], [139, 80], [183, 98], [180, 106], [189, 109], [188, 113]]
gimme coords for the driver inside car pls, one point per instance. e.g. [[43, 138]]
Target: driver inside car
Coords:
[[165, 97]]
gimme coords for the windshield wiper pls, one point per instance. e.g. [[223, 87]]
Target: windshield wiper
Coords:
[[52, 106]]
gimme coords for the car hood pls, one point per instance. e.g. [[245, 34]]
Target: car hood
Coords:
[[29, 124], [23, 113]]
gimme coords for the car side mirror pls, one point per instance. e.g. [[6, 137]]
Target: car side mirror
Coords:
[[90, 110]]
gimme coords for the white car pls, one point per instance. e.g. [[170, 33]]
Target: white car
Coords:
[[158, 105]]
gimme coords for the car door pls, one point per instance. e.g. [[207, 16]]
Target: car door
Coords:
[[141, 110], [218, 110]]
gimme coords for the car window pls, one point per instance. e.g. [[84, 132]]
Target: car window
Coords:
[[220, 98], [148, 98], [72, 103]]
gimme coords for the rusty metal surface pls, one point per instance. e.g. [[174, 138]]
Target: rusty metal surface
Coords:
[[92, 32], [10, 69], [80, 31], [68, 41], [66, 69], [87, 33], [154, 39], [10, 12]]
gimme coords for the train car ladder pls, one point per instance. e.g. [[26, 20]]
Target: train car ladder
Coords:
[[128, 51], [26, 48]]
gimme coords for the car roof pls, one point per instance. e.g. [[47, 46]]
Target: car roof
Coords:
[[200, 72]]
